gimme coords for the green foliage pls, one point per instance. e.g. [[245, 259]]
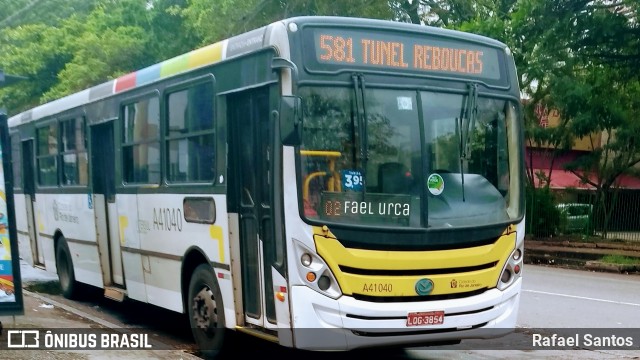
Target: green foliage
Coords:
[[107, 43], [37, 52], [542, 217], [227, 18], [47, 12], [170, 33], [87, 47], [230, 17], [620, 259]]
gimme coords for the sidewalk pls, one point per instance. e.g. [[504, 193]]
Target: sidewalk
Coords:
[[44, 313], [581, 255]]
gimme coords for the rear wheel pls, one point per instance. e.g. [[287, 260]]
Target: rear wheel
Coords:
[[64, 265], [206, 313]]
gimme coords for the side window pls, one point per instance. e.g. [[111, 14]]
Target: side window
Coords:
[[141, 141], [47, 154], [16, 161], [190, 136], [73, 155]]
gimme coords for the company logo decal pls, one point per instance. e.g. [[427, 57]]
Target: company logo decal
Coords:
[[424, 287]]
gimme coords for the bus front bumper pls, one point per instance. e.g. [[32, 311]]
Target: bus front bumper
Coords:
[[321, 323]]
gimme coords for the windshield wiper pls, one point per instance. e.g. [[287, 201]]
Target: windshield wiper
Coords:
[[467, 126], [361, 117]]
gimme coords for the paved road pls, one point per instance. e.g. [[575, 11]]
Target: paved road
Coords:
[[552, 298], [563, 298]]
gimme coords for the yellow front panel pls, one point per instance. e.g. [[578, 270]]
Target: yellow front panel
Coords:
[[394, 282], [405, 285]]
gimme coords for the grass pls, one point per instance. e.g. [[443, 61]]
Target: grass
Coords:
[[48, 287], [591, 239], [620, 259]]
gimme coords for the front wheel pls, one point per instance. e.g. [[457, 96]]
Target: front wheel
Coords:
[[64, 266], [206, 313]]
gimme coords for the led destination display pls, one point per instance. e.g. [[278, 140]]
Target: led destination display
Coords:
[[423, 54], [379, 208]]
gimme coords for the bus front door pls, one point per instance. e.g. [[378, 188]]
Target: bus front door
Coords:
[[106, 213], [252, 191]]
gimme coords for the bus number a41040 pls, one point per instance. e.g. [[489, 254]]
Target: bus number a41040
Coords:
[[166, 219], [377, 288]]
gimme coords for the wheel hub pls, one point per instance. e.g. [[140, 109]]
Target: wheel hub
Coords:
[[204, 309]]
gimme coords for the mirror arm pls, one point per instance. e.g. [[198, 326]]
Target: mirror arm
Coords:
[[278, 63]]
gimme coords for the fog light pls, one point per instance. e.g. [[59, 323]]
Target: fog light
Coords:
[[516, 269], [506, 276], [324, 282]]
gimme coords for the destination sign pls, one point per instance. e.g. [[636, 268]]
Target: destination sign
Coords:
[[405, 52], [379, 208]]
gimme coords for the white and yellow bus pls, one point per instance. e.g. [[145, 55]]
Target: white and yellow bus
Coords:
[[326, 183]]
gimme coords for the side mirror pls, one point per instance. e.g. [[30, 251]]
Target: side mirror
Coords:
[[291, 120]]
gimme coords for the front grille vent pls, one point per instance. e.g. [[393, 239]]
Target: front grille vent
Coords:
[[416, 272], [386, 299]]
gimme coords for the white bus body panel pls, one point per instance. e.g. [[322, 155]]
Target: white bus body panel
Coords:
[[156, 238], [70, 215], [127, 210]]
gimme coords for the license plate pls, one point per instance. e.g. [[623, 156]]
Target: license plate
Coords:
[[425, 318]]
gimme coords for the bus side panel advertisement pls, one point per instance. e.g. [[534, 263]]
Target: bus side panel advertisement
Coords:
[[10, 284]]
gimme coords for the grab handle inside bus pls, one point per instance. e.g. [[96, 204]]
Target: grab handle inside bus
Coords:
[[291, 120]]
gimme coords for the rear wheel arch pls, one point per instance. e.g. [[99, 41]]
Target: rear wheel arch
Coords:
[[203, 304], [193, 257]]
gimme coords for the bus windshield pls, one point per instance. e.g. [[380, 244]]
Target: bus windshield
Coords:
[[405, 158]]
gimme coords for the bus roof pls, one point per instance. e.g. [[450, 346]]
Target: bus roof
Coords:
[[221, 50]]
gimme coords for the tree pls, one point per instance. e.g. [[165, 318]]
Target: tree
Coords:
[[232, 17], [592, 58], [37, 52], [601, 102], [108, 43], [578, 56], [88, 47], [48, 12]]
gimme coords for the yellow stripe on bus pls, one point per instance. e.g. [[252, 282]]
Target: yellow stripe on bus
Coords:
[[122, 223], [215, 232]]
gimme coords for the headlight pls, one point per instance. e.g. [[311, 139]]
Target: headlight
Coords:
[[512, 270], [315, 272]]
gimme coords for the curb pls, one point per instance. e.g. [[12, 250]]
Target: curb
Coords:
[[571, 259], [77, 312], [585, 245], [602, 266]]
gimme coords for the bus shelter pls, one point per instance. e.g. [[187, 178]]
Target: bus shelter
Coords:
[[11, 302]]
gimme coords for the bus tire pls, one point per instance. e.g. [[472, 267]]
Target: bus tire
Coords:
[[206, 311], [64, 267]]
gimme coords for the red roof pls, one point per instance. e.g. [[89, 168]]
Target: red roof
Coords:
[[562, 179]]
